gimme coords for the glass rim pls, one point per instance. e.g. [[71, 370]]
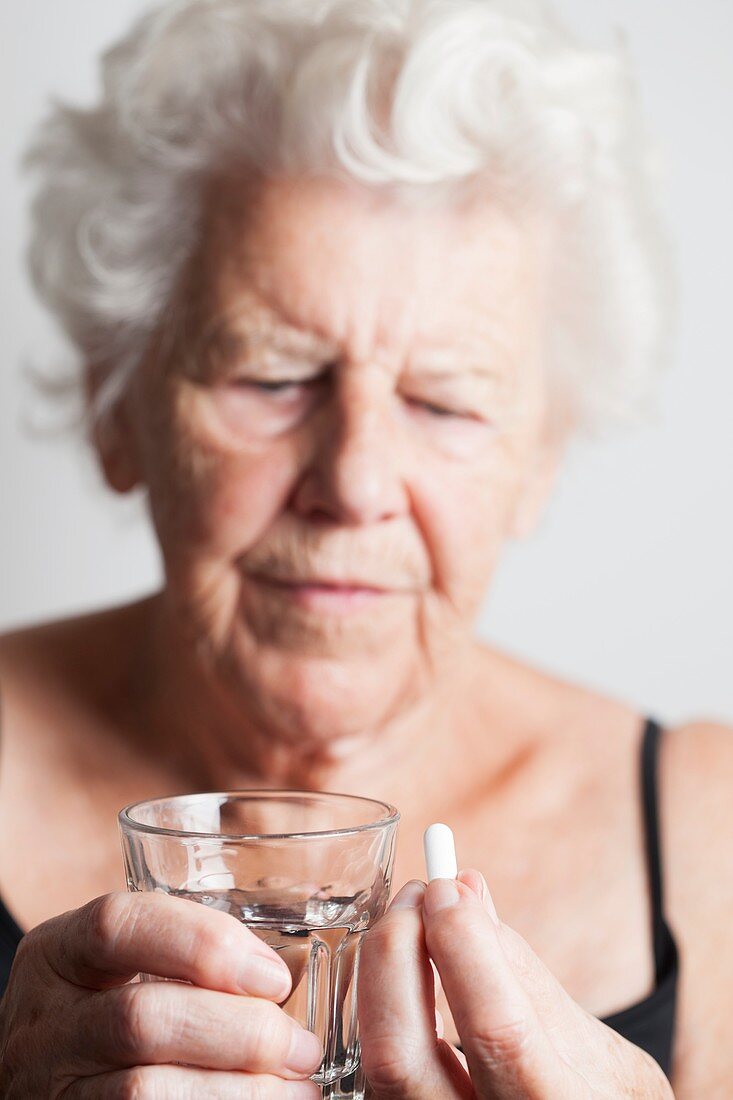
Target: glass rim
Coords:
[[126, 821]]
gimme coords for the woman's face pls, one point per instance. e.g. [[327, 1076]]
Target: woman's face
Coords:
[[345, 430]]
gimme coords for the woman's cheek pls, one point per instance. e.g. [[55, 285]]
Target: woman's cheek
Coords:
[[463, 510], [245, 499], [241, 499], [222, 494]]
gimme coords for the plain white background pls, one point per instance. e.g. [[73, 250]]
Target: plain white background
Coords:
[[628, 586]]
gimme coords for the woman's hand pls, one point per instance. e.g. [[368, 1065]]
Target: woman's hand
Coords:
[[523, 1037], [73, 1026]]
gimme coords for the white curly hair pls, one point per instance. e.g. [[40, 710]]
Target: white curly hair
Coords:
[[416, 96]]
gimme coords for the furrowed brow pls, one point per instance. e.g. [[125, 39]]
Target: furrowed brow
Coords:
[[489, 357], [483, 371], [264, 345], [452, 365], [234, 343]]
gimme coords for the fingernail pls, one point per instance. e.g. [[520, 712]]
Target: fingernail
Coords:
[[303, 1090], [489, 901], [306, 1052], [410, 896], [442, 893], [264, 977]]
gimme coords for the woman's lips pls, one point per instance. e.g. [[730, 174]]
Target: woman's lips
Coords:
[[326, 596]]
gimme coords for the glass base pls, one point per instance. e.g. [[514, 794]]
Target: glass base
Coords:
[[351, 1087]]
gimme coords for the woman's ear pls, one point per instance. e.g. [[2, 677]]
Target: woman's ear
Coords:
[[113, 438], [536, 489]]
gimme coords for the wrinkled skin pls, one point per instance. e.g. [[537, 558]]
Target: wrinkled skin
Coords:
[[523, 1037], [74, 1027], [352, 391], [339, 429]]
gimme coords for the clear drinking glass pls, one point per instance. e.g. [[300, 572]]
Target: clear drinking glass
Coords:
[[309, 872]]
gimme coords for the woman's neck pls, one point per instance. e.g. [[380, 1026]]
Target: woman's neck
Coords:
[[188, 718]]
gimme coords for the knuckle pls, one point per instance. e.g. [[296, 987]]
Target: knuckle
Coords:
[[268, 1031], [390, 1063], [214, 948], [259, 1087], [139, 1083], [229, 940], [386, 937], [500, 1047], [106, 916], [389, 933], [132, 1022]]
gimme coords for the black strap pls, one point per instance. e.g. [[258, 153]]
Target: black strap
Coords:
[[649, 786]]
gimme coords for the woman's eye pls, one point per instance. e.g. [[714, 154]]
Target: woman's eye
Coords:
[[437, 410], [268, 387]]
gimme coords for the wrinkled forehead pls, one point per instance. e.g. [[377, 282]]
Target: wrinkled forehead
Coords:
[[338, 267]]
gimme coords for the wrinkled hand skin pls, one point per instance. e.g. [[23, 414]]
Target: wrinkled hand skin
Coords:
[[523, 1036], [74, 1026]]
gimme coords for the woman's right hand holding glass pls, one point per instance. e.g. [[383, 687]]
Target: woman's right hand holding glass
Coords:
[[74, 1025]]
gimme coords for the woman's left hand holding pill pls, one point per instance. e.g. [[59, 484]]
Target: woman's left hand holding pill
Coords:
[[523, 1036]]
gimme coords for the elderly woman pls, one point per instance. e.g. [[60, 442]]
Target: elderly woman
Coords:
[[345, 277]]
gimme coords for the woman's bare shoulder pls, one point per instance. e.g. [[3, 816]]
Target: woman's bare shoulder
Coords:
[[552, 706], [52, 662], [696, 796], [36, 660]]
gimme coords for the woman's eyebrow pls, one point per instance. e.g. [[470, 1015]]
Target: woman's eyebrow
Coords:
[[459, 369], [449, 361], [232, 344]]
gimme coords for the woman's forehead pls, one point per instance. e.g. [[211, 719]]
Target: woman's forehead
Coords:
[[254, 330], [316, 268]]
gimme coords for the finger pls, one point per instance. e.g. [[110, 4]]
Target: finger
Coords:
[[552, 1004], [400, 1051], [182, 1083], [508, 1051], [460, 1056], [152, 1023], [476, 882], [116, 936]]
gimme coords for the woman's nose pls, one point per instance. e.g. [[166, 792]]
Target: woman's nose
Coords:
[[354, 474]]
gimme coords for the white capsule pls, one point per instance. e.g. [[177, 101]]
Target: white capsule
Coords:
[[440, 852]]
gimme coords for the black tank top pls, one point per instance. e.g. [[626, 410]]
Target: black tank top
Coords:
[[650, 1022]]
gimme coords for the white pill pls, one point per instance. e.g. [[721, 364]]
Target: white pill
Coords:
[[440, 852]]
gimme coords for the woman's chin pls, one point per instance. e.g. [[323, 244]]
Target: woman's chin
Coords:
[[327, 699]]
